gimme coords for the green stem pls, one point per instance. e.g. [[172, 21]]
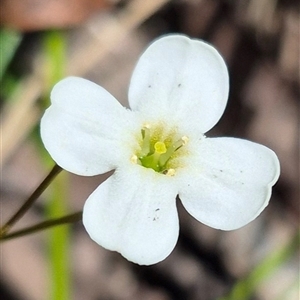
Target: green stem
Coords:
[[43, 225], [28, 203]]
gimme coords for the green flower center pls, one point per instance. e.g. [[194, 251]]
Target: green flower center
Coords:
[[159, 150]]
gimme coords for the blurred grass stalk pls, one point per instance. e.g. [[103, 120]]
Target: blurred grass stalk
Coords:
[[59, 247], [9, 42], [245, 288]]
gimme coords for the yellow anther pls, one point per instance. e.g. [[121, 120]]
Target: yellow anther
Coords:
[[146, 126], [170, 172], [134, 159], [185, 140], [160, 147]]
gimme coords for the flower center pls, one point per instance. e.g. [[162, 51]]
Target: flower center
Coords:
[[159, 150]]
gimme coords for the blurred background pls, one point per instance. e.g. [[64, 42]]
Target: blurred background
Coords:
[[101, 40]]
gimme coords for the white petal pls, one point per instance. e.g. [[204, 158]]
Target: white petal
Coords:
[[134, 213], [183, 79], [83, 128], [230, 182]]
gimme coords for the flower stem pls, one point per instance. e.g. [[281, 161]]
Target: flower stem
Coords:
[[43, 225], [28, 203]]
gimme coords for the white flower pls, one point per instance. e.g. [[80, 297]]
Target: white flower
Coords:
[[158, 150]]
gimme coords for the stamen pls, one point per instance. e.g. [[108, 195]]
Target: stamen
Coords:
[[145, 148], [166, 156]]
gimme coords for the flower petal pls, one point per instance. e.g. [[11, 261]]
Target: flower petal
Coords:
[[134, 213], [230, 183], [83, 128], [181, 78]]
